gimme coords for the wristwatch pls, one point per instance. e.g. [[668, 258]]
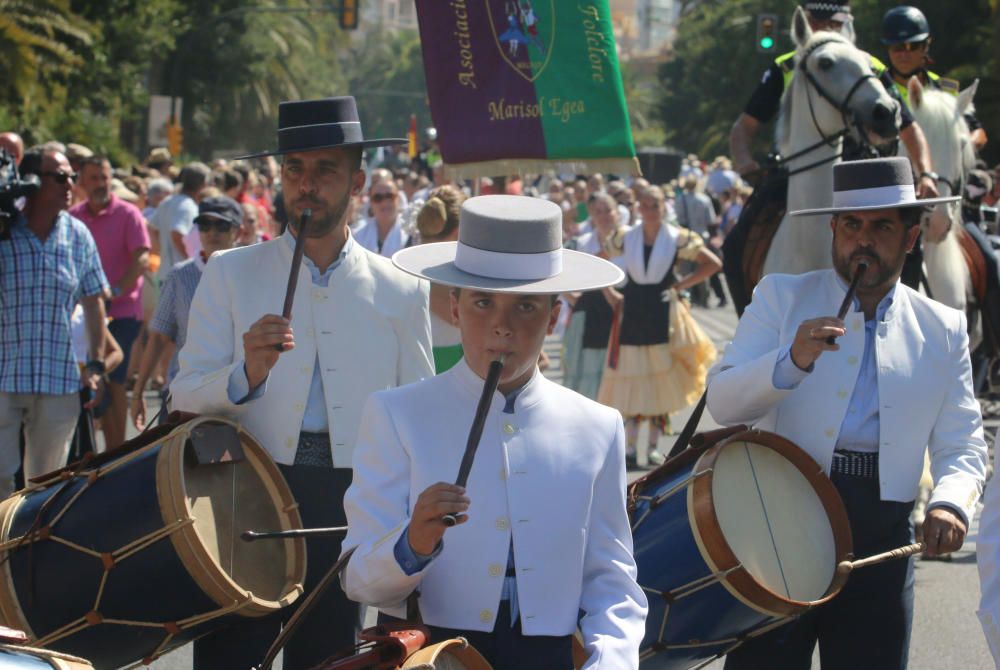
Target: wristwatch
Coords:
[[115, 291], [930, 174], [96, 366]]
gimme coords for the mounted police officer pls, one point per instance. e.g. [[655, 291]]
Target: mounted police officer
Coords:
[[907, 36], [766, 100]]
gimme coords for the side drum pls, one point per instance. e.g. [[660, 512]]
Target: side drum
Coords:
[[140, 553], [733, 541]]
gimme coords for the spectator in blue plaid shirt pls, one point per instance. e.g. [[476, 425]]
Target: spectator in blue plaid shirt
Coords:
[[48, 265], [218, 225]]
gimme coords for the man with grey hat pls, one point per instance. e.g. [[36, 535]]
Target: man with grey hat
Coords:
[[520, 566], [865, 395], [358, 325]]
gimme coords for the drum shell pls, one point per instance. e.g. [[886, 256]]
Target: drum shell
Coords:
[[166, 582], [671, 554]]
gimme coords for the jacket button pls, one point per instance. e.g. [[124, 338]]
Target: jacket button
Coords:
[[841, 394], [852, 360], [310, 332], [856, 324], [305, 369], [828, 432], [501, 523], [495, 570], [508, 428], [290, 443], [486, 616], [299, 407], [503, 475]]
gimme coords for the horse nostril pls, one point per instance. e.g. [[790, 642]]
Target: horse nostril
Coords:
[[882, 112]]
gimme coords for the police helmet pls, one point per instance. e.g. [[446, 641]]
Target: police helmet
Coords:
[[830, 10], [904, 24]]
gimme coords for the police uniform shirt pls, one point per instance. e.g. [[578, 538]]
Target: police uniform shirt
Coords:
[[765, 101]]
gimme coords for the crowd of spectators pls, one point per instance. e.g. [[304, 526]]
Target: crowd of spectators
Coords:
[[125, 245]]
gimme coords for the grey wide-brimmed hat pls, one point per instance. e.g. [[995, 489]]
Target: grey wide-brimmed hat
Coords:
[[509, 244], [326, 123], [876, 183]]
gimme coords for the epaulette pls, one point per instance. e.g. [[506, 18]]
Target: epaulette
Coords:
[[950, 85]]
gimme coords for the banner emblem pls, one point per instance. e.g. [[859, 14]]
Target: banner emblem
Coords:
[[524, 32]]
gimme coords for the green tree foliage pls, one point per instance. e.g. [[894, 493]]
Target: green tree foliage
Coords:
[[715, 65]]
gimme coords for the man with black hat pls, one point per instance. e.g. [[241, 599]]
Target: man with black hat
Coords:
[[765, 101], [358, 325], [897, 381], [907, 36]]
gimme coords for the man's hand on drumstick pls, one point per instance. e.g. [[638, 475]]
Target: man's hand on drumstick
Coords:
[[811, 340], [944, 531], [259, 346], [426, 525]]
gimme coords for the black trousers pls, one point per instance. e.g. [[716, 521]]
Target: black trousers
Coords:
[[334, 621], [506, 647], [867, 626]]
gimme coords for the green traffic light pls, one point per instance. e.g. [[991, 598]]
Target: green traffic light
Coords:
[[766, 42]]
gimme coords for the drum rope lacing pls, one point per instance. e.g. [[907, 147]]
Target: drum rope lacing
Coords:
[[109, 559]]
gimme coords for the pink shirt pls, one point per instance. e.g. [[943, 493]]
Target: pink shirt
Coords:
[[118, 230]]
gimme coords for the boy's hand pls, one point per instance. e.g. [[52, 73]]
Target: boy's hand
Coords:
[[426, 524]]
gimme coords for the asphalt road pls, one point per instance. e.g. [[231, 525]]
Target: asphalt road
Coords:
[[946, 632]]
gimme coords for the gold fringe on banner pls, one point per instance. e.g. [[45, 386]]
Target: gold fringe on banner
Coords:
[[520, 166]]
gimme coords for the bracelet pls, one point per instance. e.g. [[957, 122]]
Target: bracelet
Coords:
[[933, 176]]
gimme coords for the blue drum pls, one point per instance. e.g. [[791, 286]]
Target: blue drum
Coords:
[[732, 541], [139, 552]]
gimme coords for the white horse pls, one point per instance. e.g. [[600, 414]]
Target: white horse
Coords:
[[941, 118], [832, 93]]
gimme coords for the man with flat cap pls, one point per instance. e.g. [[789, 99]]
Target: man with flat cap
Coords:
[[358, 325], [893, 380]]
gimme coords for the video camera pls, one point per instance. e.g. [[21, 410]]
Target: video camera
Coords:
[[12, 188]]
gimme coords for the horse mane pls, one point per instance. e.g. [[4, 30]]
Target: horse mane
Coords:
[[941, 122], [783, 129]]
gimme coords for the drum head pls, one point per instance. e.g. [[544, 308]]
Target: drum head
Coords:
[[222, 500], [765, 511]]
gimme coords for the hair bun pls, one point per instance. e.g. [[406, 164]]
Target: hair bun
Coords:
[[432, 217]]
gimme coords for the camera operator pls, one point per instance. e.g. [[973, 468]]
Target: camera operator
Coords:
[[49, 264], [14, 145]]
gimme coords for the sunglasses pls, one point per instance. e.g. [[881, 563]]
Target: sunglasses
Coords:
[[219, 225], [60, 177], [379, 197], [908, 46]]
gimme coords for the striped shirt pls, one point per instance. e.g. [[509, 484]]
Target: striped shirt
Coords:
[[40, 284], [171, 315]]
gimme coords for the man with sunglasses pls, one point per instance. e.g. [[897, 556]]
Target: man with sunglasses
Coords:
[[907, 35], [218, 223], [49, 264]]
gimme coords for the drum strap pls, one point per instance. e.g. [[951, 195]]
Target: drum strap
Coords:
[[684, 439]]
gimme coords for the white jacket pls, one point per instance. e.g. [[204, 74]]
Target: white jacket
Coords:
[[551, 475], [988, 557], [370, 328], [924, 385]]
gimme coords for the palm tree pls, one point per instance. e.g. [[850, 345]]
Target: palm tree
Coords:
[[37, 37]]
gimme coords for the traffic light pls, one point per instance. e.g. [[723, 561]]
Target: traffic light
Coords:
[[175, 138], [767, 33], [349, 14]]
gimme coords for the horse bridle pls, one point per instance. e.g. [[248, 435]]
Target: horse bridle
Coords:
[[843, 107]]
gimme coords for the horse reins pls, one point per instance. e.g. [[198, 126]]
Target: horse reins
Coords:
[[842, 107]]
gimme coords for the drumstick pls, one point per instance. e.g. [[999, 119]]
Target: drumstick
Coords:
[[902, 552], [849, 298], [476, 432], [251, 535], [293, 276]]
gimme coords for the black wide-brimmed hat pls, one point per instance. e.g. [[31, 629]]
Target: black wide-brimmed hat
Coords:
[[327, 123], [876, 183]]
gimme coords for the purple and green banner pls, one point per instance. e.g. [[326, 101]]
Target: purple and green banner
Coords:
[[522, 85]]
